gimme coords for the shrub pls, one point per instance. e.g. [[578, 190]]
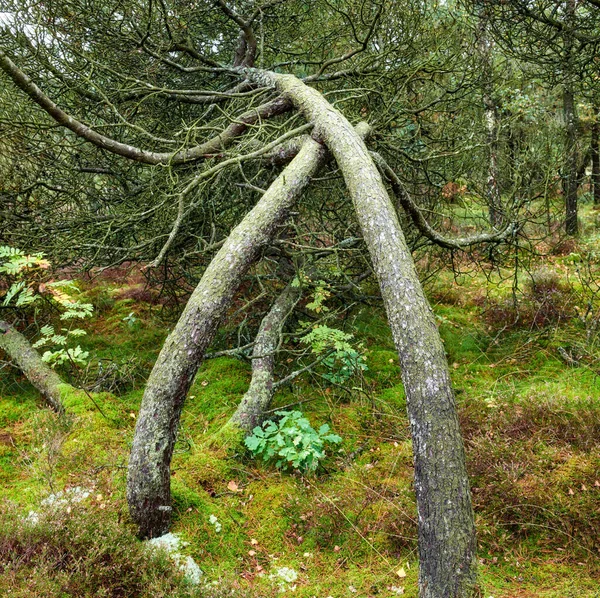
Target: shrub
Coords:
[[82, 553], [342, 360], [25, 278], [291, 442]]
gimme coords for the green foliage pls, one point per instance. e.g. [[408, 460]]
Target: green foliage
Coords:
[[18, 268], [320, 295], [291, 442], [343, 361], [27, 286]]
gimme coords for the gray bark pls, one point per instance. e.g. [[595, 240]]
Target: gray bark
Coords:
[[148, 480], [446, 524], [492, 125], [28, 360], [256, 401]]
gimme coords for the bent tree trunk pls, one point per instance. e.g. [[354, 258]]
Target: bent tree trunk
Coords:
[[28, 360], [252, 408], [148, 481], [148, 477], [446, 526]]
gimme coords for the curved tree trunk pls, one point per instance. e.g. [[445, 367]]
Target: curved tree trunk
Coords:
[[28, 360], [446, 525], [148, 482], [251, 410], [148, 477]]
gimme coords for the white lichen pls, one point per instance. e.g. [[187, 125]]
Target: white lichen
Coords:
[[170, 543]]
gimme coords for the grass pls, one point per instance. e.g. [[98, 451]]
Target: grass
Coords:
[[531, 423]]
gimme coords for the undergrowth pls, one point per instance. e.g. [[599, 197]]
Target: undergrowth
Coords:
[[527, 385]]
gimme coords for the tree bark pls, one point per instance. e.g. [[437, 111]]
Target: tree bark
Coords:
[[570, 182], [148, 479], [28, 360], [570, 179], [252, 408], [148, 483], [446, 524], [485, 48]]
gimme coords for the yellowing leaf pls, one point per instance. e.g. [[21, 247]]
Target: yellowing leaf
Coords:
[[401, 572]]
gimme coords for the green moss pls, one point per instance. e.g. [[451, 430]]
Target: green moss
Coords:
[[219, 386], [531, 425]]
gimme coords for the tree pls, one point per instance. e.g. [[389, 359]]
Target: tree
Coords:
[[561, 39], [158, 68]]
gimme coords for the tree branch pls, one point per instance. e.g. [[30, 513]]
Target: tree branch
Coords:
[[413, 211]]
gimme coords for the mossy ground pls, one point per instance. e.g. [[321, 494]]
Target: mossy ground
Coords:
[[532, 431]]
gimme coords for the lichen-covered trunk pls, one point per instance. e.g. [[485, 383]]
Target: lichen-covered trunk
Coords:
[[446, 524], [252, 408], [148, 483], [28, 360]]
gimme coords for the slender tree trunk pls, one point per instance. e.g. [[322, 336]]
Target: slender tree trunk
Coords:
[[148, 483], [446, 524], [252, 408], [28, 360], [570, 183], [492, 191], [595, 151], [570, 179]]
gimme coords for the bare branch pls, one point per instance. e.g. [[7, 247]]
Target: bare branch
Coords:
[[199, 152], [413, 211]]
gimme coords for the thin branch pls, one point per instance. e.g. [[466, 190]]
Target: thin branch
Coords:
[[413, 211]]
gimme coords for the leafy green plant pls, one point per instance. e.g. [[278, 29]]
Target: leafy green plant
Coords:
[[344, 360], [291, 442], [29, 288]]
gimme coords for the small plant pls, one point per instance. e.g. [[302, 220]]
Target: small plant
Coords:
[[291, 442], [344, 360], [29, 288]]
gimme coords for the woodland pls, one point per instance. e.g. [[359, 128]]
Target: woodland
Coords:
[[300, 297]]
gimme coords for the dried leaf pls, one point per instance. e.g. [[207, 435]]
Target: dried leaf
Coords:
[[401, 572], [233, 487]]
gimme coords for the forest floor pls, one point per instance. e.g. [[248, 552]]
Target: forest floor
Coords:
[[529, 400]]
